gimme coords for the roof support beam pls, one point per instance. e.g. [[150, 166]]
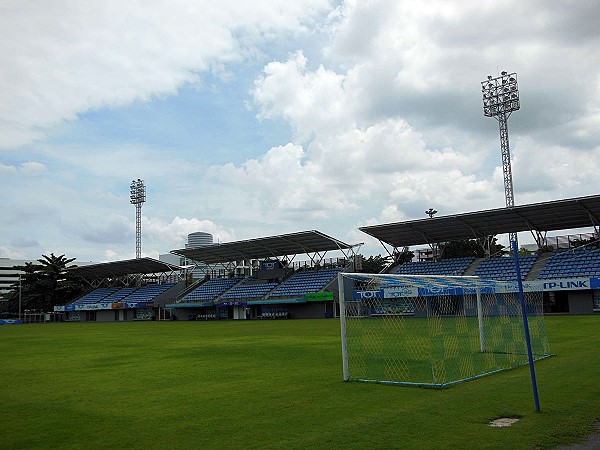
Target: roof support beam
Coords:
[[539, 217], [593, 219]]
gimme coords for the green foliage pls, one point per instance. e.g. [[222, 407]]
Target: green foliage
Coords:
[[470, 247], [45, 284], [459, 249], [374, 264], [403, 256], [271, 384], [525, 252]]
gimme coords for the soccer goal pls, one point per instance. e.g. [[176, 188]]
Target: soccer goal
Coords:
[[435, 331]]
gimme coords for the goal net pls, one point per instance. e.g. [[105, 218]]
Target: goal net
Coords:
[[435, 330]]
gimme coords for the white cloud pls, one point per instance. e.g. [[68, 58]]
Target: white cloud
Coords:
[[349, 161], [383, 103], [29, 167], [7, 169], [424, 61], [282, 181], [172, 235], [409, 78], [23, 242], [32, 167], [63, 58], [310, 100], [11, 253], [564, 171], [158, 236]]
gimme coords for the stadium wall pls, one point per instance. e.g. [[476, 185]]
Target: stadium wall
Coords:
[[311, 310], [304, 310], [581, 302]]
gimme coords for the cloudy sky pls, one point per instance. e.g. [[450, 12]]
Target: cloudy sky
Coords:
[[250, 119]]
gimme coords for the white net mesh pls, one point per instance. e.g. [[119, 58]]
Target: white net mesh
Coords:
[[435, 331]]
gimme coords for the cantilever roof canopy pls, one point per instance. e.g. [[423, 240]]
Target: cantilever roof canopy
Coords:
[[266, 247], [565, 214], [123, 268]]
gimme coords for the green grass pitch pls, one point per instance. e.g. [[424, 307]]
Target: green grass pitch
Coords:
[[271, 385], [438, 351]]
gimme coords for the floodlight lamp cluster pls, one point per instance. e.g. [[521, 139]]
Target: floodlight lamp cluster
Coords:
[[431, 212], [500, 95], [138, 192]]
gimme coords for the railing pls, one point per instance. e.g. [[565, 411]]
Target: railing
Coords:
[[571, 240], [325, 263]]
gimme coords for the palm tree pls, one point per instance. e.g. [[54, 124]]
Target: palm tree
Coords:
[[46, 284]]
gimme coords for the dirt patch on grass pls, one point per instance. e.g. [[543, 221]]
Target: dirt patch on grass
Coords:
[[503, 422]]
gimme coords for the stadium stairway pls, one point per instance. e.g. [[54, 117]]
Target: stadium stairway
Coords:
[[170, 295], [538, 267], [190, 288], [473, 267]]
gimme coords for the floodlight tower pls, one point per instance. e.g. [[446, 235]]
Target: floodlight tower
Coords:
[[137, 198], [500, 99]]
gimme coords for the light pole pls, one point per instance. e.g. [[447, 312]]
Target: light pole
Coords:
[[137, 198], [500, 100]]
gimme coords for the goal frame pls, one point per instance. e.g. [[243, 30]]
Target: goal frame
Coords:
[[470, 285]]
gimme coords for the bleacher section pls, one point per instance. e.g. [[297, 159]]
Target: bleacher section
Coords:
[[210, 290], [454, 266], [94, 296], [119, 295], [126, 294], [563, 263], [503, 269], [579, 262], [305, 282], [249, 289], [148, 292]]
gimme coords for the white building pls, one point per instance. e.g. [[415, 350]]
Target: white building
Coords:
[[194, 240], [10, 276]]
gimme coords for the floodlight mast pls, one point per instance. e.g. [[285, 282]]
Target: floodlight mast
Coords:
[[500, 99], [137, 198]]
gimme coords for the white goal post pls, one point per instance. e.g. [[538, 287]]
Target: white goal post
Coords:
[[434, 330]]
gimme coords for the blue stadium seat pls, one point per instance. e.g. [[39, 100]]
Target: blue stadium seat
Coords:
[[503, 268], [578, 262], [302, 283], [211, 289], [249, 289], [453, 266]]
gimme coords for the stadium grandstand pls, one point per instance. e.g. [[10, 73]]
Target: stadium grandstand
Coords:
[[135, 289], [264, 278], [260, 279], [568, 266], [250, 279]]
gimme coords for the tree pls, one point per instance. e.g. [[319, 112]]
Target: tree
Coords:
[[469, 247], [374, 264], [405, 255], [460, 249], [45, 285], [525, 252]]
